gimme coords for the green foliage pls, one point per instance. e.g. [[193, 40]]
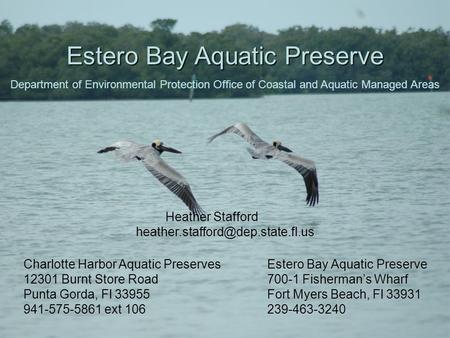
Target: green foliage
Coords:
[[163, 24], [33, 53]]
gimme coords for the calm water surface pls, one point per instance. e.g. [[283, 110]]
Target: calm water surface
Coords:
[[384, 171]]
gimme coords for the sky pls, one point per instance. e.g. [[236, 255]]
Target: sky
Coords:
[[203, 15]]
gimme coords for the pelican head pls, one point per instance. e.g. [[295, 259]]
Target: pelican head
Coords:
[[159, 146], [277, 144]]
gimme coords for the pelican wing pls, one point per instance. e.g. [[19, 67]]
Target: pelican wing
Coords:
[[127, 150], [307, 169], [174, 181], [243, 131]]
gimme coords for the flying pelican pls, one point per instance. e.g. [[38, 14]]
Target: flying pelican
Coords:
[[150, 156], [264, 150]]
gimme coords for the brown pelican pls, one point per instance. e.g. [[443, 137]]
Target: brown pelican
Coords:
[[264, 150], [150, 156]]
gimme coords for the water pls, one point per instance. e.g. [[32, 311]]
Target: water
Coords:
[[383, 165]]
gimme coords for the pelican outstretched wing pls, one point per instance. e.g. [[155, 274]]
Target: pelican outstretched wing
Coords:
[[174, 181], [307, 169], [243, 131]]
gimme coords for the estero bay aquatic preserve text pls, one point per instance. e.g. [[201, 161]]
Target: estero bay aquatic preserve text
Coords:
[[238, 53]]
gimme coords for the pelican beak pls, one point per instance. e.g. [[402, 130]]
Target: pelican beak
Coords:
[[283, 148], [171, 150]]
